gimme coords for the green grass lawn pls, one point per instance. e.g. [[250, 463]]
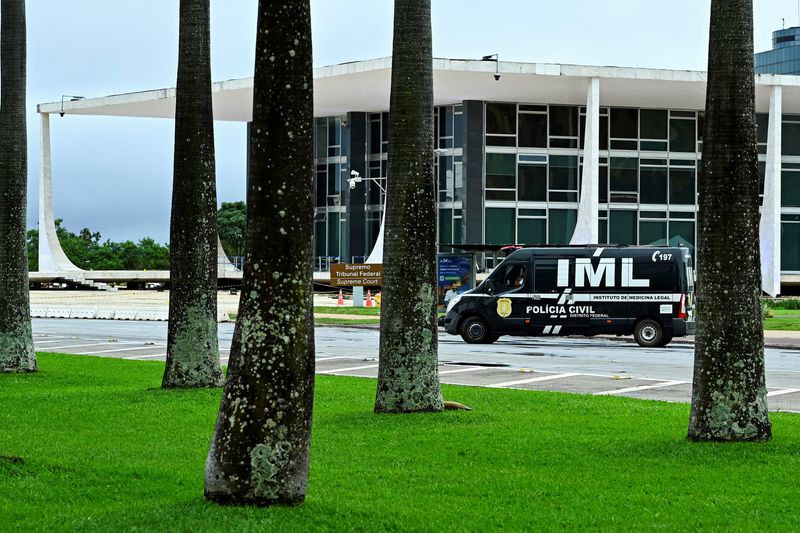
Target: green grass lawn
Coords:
[[349, 310], [103, 448], [783, 324]]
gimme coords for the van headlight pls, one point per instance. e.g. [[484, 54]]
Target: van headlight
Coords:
[[453, 301]]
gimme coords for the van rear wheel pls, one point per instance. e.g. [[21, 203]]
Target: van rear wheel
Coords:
[[648, 333], [474, 330]]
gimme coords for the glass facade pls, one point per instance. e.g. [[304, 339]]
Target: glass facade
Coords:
[[331, 146], [648, 174], [784, 58], [531, 163]]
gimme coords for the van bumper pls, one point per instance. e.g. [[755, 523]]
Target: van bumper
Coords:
[[683, 327], [451, 321]]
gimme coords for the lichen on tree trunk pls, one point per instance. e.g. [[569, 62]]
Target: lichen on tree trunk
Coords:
[[260, 450], [192, 343], [16, 339], [408, 378], [729, 392]]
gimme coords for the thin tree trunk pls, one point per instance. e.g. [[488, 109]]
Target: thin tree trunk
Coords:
[[16, 339], [408, 378], [192, 345], [260, 450], [729, 393]]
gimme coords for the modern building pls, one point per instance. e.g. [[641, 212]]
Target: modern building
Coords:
[[784, 58], [547, 153]]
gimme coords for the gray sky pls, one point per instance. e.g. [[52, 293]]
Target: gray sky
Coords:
[[114, 174]]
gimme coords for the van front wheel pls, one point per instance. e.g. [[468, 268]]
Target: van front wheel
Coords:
[[474, 330], [648, 333]]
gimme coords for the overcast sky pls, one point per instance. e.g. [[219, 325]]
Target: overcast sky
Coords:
[[114, 175]]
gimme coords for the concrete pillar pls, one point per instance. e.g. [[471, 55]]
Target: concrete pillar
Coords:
[[52, 258], [586, 225], [770, 228], [472, 172]]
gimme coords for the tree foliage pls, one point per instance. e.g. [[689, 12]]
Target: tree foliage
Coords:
[[87, 250], [231, 221]]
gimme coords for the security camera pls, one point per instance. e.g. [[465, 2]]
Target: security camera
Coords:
[[497, 77], [61, 114]]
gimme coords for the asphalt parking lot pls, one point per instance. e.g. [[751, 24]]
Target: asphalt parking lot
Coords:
[[585, 366]]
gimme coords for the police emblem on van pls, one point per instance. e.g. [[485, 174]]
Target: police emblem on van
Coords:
[[504, 307]]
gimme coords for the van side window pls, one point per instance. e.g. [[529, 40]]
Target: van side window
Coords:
[[545, 273], [509, 276]]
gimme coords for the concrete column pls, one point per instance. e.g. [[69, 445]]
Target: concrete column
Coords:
[[472, 172], [586, 225], [770, 228], [52, 258], [356, 198]]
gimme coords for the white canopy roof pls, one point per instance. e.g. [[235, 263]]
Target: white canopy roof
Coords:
[[364, 86]]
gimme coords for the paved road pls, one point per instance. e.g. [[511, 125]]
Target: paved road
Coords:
[[595, 366]]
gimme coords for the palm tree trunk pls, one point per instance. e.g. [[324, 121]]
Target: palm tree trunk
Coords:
[[192, 345], [259, 453], [408, 378], [729, 392], [16, 339]]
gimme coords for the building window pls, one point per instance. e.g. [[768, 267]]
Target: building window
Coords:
[[622, 226], [790, 187], [682, 134], [500, 225], [563, 178], [790, 243], [790, 135], [561, 225], [624, 179], [532, 226], [681, 186], [501, 124]]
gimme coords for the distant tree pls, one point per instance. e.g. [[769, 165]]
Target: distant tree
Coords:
[[259, 453], [192, 344], [32, 238], [231, 220], [16, 338], [729, 396], [408, 378], [86, 251]]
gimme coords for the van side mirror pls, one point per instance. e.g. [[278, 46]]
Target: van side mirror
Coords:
[[489, 286]]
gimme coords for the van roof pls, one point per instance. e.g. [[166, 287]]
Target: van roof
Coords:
[[588, 250]]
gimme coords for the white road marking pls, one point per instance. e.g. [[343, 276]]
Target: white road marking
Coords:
[[781, 392], [52, 341], [328, 358], [641, 387], [146, 356], [531, 380], [348, 369], [125, 349], [71, 346], [459, 370]]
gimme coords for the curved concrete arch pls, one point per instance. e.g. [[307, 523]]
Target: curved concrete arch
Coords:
[[52, 258]]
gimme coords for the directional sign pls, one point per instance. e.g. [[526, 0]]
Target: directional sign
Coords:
[[356, 275]]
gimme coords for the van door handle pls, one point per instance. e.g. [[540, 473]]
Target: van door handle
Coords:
[[536, 297]]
